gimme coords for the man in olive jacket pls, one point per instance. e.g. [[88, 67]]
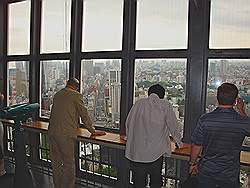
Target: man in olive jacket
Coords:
[[67, 108]]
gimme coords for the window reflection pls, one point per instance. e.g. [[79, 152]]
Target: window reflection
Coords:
[[161, 24], [230, 24], [236, 71], [19, 28], [54, 74], [170, 73], [56, 20], [18, 82], [101, 88], [102, 25]]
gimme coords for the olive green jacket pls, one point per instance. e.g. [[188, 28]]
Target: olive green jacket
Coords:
[[67, 108]]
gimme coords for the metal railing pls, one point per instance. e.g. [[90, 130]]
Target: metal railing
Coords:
[[97, 165]]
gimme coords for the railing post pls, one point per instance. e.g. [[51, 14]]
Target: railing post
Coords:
[[22, 176], [123, 170]]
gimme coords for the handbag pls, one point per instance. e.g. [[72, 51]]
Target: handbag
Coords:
[[190, 182]]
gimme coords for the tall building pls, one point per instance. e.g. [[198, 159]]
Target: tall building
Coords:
[[87, 68], [115, 93], [223, 70], [22, 80], [212, 68], [115, 101]]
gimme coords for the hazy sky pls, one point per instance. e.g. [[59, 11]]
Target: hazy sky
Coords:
[[161, 24]]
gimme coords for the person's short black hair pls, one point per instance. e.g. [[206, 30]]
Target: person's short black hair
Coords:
[[157, 89], [227, 93]]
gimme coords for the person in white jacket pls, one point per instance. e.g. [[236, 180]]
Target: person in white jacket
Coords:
[[149, 125]]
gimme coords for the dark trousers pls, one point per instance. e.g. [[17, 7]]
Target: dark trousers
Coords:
[[206, 182], [141, 170]]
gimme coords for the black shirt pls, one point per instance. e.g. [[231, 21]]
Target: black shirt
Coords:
[[221, 134]]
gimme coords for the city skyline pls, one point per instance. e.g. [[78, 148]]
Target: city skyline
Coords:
[[160, 24]]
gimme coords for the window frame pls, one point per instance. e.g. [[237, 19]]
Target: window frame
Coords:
[[197, 55]]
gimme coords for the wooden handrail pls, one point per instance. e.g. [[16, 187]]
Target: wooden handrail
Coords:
[[115, 141]]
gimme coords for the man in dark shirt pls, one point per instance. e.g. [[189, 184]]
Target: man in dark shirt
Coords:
[[219, 135]]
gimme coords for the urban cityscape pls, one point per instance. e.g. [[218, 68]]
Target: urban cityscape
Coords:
[[233, 71], [160, 25], [101, 84]]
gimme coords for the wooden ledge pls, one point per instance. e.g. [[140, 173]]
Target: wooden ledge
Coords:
[[115, 141]]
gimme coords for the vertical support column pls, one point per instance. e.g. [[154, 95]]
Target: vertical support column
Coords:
[[3, 75], [198, 31], [128, 47], [76, 38], [123, 169], [3, 48], [127, 77], [35, 35], [22, 176], [34, 79]]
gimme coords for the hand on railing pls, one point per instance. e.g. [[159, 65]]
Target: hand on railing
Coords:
[[193, 169], [173, 141], [123, 137], [98, 133]]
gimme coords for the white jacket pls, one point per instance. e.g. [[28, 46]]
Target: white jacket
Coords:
[[149, 124]]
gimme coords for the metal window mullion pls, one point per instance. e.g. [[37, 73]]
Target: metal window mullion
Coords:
[[160, 54], [35, 40], [53, 56], [198, 30], [76, 38], [229, 53], [3, 44], [128, 48]]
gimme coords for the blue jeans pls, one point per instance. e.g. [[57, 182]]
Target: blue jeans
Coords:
[[206, 182]]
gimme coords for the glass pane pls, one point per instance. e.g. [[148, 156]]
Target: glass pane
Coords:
[[170, 73], [236, 71], [19, 28], [162, 24], [18, 82], [230, 24], [56, 20], [102, 25], [54, 75], [101, 89]]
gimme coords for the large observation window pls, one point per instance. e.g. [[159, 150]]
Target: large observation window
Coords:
[[230, 24], [236, 71], [54, 74], [18, 82], [56, 21], [102, 25], [161, 24], [170, 73], [101, 89], [19, 28]]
